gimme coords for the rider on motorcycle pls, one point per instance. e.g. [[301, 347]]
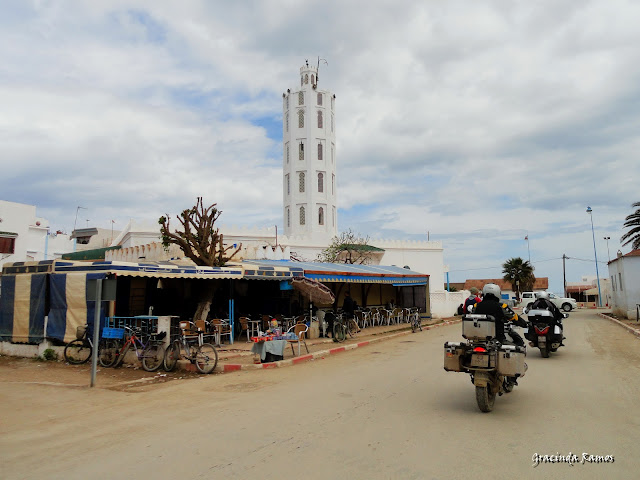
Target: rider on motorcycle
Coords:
[[492, 305], [542, 302]]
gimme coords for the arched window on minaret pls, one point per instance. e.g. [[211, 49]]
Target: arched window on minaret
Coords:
[[287, 122], [300, 98], [301, 182], [319, 118], [321, 216], [300, 118], [301, 151], [287, 152], [313, 80], [319, 99], [302, 216], [320, 182], [287, 102], [319, 151], [288, 218], [288, 185], [306, 78]]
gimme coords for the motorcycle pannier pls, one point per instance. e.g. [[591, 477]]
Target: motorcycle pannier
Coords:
[[453, 352], [511, 360], [478, 327]]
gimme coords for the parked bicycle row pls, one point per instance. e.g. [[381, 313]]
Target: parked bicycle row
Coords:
[[192, 344]]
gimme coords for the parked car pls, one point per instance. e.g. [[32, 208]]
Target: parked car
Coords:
[[563, 303]]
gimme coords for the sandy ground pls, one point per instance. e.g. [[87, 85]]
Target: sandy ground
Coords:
[[387, 410]]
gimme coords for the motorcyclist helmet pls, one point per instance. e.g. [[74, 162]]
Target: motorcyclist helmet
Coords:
[[491, 289], [542, 295]]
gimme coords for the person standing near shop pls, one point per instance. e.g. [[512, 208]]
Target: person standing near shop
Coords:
[[348, 305]]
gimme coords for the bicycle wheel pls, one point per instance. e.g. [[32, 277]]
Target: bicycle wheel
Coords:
[[339, 332], [352, 328], [77, 352], [120, 354], [107, 352], [171, 356], [152, 357], [206, 358]]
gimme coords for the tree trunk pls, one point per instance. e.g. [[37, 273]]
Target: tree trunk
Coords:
[[204, 304]]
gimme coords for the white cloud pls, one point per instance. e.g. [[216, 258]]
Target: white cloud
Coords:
[[475, 121]]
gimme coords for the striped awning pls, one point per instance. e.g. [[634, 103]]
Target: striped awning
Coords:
[[347, 273], [126, 269], [252, 271]]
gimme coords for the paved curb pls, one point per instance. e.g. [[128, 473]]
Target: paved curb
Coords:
[[635, 331], [231, 367]]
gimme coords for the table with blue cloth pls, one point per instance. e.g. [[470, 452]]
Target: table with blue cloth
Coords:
[[270, 351]]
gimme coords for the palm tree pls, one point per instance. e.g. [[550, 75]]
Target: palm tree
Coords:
[[633, 222], [519, 273]]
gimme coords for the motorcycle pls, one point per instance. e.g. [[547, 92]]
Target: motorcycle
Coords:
[[494, 367], [544, 331]]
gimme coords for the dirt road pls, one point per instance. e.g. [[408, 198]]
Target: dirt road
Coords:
[[383, 411]]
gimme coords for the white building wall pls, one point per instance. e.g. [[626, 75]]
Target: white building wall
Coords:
[[625, 299], [34, 242]]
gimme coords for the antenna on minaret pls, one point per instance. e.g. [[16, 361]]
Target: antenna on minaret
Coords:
[[318, 69]]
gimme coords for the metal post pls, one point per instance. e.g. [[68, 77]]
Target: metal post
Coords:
[[96, 330], [595, 255], [608, 255], [564, 274]]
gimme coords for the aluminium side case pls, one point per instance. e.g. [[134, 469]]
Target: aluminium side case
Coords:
[[478, 327], [453, 354], [511, 360]]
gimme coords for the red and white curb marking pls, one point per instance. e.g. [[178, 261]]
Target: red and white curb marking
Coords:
[[230, 367], [635, 331]]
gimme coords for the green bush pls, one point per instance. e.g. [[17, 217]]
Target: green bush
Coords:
[[49, 354]]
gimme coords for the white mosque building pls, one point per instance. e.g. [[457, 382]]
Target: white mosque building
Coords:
[[310, 202]]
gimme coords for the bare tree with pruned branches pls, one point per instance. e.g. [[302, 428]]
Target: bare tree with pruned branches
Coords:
[[200, 241]]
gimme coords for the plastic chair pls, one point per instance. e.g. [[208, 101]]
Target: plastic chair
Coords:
[[375, 317], [222, 329], [244, 327], [300, 329]]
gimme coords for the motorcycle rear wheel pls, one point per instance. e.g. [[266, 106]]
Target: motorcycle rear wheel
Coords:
[[485, 398], [544, 352]]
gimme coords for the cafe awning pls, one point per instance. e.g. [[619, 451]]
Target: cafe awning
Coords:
[[127, 269], [349, 273]]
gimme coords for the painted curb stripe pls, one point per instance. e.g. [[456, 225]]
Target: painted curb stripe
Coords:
[[301, 359]]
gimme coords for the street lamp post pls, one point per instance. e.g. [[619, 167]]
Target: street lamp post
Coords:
[[595, 254], [608, 255]]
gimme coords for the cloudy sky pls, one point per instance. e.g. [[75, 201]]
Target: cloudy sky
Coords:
[[474, 123]]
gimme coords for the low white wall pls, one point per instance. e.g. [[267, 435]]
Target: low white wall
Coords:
[[28, 351], [445, 304]]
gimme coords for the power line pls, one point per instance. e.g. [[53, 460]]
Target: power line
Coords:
[[533, 262]]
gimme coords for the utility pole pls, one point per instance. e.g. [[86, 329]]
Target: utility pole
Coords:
[[564, 273]]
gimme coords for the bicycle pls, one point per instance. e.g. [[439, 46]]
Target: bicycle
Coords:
[[191, 346], [416, 321], [151, 352], [344, 326], [79, 351]]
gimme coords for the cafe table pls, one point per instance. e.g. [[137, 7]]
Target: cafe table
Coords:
[[273, 347]]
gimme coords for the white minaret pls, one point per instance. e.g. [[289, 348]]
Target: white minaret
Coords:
[[309, 159]]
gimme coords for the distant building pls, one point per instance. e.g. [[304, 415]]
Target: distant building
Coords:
[[25, 237], [624, 278]]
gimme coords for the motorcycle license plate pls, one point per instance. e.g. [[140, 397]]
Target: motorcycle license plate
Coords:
[[542, 340], [479, 360]]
